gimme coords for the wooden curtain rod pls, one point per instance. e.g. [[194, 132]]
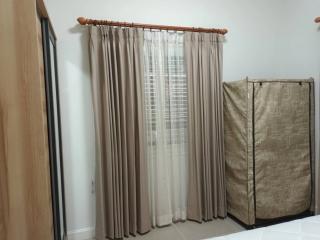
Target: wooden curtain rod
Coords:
[[317, 20], [86, 21]]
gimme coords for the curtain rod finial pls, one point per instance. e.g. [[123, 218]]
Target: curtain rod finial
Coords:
[[82, 20], [224, 31]]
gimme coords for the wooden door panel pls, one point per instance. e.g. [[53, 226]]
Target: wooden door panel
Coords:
[[25, 197]]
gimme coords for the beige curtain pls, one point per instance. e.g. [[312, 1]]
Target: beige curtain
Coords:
[[122, 187], [206, 188]]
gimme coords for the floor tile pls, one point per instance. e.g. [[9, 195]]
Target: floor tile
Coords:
[[164, 233], [195, 231], [192, 231]]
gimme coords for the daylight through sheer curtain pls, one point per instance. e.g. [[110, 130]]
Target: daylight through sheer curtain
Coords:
[[166, 125]]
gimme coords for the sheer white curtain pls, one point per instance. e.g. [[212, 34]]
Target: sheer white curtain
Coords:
[[166, 119]]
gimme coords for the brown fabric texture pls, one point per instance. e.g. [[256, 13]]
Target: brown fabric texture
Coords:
[[282, 149], [268, 147], [121, 172], [206, 187], [236, 155], [315, 200], [4, 191]]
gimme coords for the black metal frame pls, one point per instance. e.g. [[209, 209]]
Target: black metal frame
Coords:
[[268, 222], [53, 140]]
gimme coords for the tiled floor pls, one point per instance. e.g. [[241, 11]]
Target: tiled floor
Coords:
[[192, 231]]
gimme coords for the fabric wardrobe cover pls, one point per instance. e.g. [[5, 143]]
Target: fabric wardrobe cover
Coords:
[[269, 145]]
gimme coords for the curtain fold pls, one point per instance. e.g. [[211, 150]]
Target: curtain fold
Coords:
[[166, 119], [122, 204], [206, 186]]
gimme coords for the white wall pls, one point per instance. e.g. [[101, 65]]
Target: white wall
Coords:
[[267, 38]]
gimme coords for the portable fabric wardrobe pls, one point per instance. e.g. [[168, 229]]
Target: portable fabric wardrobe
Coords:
[[269, 145]]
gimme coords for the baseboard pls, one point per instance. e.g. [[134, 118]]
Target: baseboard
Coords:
[[82, 234]]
